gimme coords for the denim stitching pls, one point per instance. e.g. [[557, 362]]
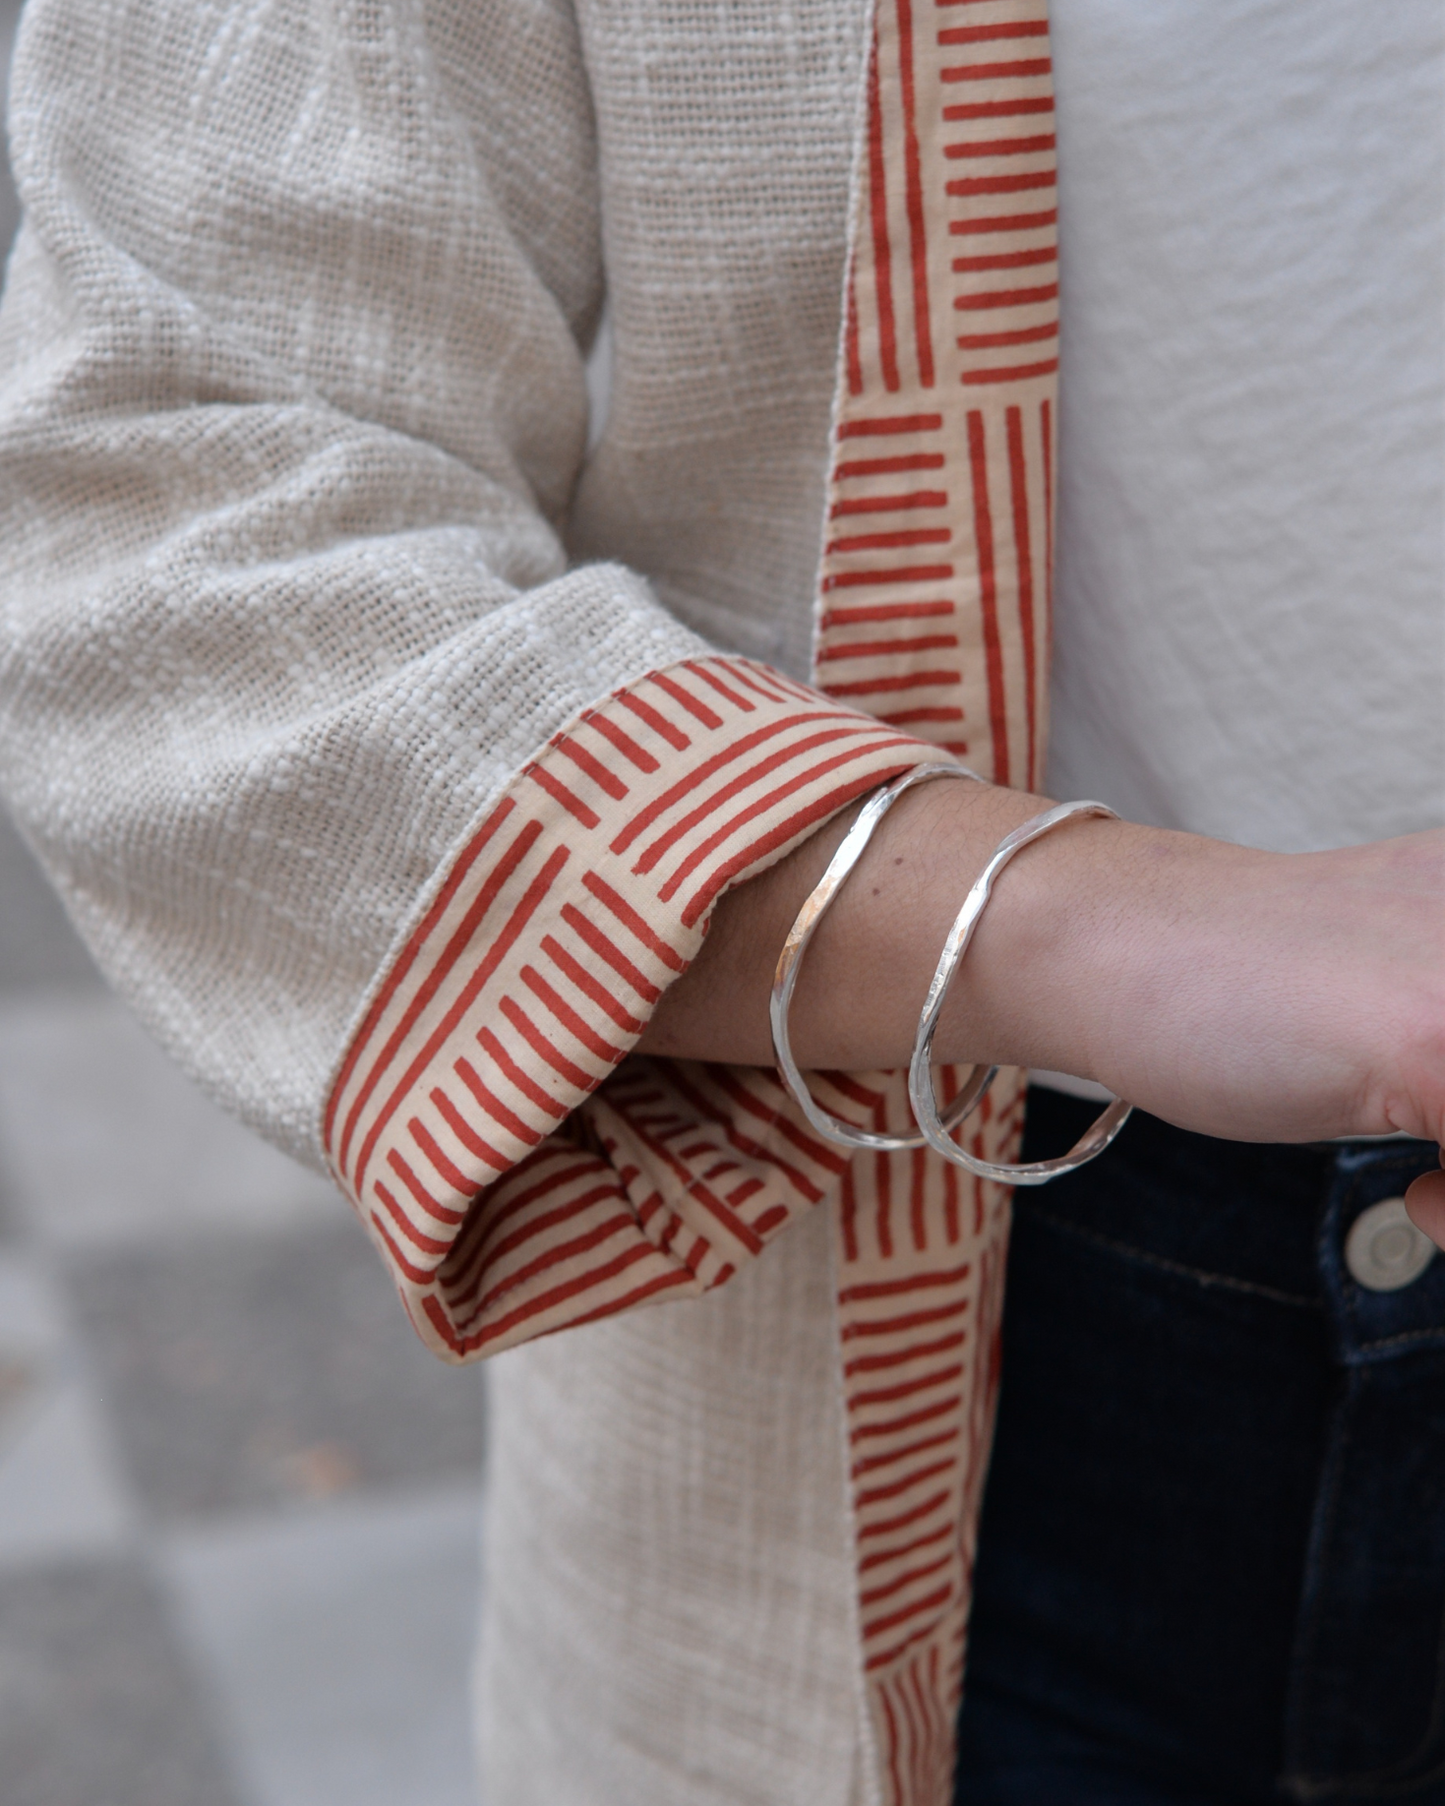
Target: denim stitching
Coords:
[[1401, 1340]]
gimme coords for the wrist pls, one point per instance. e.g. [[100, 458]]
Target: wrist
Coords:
[[1049, 944], [1096, 930], [875, 952]]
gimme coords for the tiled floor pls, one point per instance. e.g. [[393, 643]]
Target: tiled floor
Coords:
[[237, 1499]]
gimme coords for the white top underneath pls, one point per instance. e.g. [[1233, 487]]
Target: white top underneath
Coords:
[[1250, 610]]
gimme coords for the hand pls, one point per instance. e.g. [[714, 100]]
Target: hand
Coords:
[[1425, 1203], [1243, 994], [1255, 996]]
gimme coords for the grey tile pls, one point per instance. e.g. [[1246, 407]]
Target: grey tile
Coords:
[[62, 1493], [245, 1371], [97, 1704], [102, 1139], [11, 1228], [38, 947], [340, 1642], [12, 1222]]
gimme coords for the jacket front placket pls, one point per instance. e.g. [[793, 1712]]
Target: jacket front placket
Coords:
[[933, 614]]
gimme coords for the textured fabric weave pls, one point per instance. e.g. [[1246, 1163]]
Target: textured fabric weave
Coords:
[[393, 815], [455, 1125]]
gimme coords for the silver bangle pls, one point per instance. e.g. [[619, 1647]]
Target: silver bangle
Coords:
[[920, 1075], [785, 978]]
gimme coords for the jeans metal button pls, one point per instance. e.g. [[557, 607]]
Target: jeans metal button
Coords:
[[1384, 1250]]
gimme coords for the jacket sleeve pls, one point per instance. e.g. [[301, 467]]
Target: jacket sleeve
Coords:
[[391, 827]]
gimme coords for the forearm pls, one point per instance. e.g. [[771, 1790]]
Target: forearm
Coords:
[[1021, 996], [865, 974], [1258, 995]]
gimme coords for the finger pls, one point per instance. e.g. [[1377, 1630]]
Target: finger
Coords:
[[1425, 1201]]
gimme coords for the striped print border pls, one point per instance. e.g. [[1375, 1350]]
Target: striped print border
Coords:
[[582, 894], [934, 613], [934, 586]]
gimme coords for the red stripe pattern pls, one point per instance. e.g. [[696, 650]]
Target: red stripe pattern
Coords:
[[518, 1171], [516, 1175], [922, 1250], [933, 614], [934, 582]]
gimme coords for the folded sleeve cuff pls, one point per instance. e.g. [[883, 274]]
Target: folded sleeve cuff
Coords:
[[456, 1123]]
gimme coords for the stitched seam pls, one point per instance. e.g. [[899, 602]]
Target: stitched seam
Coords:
[[1403, 1340]]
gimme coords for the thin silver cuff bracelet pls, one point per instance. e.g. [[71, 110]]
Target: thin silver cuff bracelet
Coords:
[[920, 1075], [785, 978]]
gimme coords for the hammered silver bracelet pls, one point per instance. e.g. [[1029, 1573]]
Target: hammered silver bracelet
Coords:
[[936, 1127], [785, 978]]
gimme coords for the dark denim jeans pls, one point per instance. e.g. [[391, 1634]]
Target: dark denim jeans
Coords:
[[1212, 1564]]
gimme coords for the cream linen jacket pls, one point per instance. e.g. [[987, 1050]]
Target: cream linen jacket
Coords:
[[390, 751]]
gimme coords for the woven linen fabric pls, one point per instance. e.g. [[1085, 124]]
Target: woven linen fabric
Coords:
[[295, 410], [393, 817], [700, 1635]]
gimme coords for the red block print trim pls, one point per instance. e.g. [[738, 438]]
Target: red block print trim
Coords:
[[949, 367], [515, 1000], [919, 1299], [939, 386]]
